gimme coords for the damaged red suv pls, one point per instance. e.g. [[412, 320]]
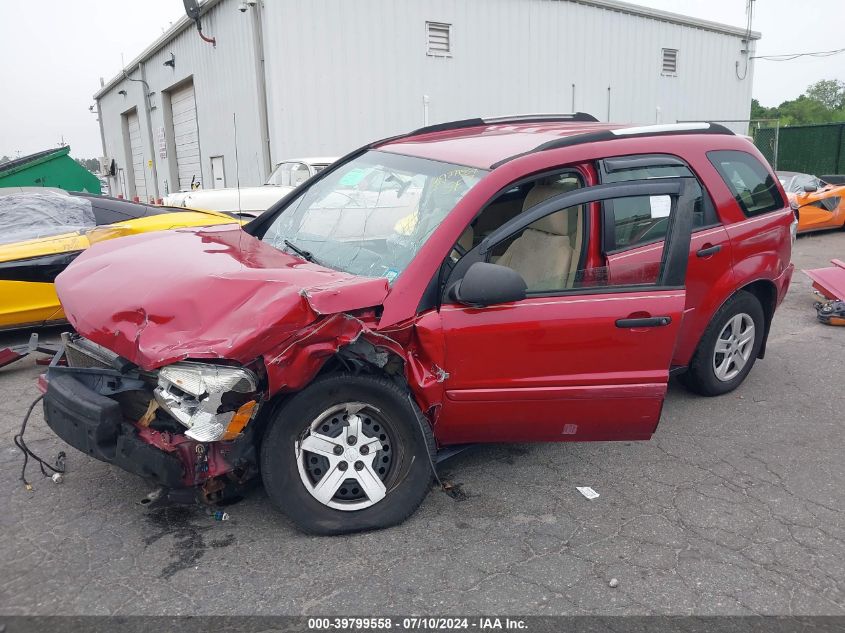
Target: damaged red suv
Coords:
[[509, 280]]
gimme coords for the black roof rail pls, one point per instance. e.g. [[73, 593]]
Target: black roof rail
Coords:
[[449, 125], [673, 129], [581, 117]]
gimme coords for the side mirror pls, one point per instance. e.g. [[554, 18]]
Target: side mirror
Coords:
[[488, 284], [810, 188]]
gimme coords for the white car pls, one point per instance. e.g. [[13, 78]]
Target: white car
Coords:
[[252, 201]]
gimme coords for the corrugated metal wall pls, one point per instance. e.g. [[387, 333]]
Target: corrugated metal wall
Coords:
[[342, 73], [225, 83]]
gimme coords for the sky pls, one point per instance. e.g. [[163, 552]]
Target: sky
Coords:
[[53, 53]]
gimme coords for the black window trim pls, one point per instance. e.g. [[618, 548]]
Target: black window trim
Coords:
[[673, 263], [433, 294], [625, 162]]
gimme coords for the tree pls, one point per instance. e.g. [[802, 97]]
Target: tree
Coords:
[[822, 102], [761, 112], [91, 164], [4, 159], [829, 92]]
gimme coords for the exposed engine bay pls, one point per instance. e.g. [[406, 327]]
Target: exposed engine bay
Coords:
[[185, 425]]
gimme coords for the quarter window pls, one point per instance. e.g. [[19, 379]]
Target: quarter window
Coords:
[[751, 184]]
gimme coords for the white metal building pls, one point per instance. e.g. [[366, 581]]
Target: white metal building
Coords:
[[288, 78]]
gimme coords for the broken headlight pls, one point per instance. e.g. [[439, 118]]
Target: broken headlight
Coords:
[[214, 402]]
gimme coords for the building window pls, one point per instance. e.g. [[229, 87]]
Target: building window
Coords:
[[439, 39], [670, 61]]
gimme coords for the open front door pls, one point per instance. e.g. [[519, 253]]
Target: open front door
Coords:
[[579, 358]]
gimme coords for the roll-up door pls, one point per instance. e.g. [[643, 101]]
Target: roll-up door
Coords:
[[186, 135], [137, 150]]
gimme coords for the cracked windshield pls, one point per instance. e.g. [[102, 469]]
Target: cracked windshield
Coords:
[[371, 216]]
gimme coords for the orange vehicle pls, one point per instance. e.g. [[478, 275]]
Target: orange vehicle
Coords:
[[818, 204]]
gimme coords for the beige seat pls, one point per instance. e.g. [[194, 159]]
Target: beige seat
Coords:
[[466, 239], [544, 254]]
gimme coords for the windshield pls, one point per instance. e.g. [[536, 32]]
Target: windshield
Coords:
[[290, 174], [372, 215], [795, 183]]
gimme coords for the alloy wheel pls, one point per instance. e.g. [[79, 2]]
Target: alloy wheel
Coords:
[[733, 347]]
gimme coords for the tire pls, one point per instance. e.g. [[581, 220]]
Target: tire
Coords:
[[325, 417], [703, 376]]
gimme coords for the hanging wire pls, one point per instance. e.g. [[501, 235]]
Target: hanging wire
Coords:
[[790, 56], [749, 11], [27, 452]]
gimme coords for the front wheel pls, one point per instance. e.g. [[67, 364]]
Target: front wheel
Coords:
[[346, 454], [729, 347]]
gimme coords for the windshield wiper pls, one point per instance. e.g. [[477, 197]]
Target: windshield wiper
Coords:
[[306, 255]]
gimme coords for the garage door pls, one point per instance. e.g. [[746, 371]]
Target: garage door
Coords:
[[185, 135], [136, 148]]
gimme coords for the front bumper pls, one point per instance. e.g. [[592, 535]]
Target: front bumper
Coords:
[[94, 424]]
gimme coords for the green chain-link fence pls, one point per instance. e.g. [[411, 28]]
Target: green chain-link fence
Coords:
[[812, 149], [766, 139]]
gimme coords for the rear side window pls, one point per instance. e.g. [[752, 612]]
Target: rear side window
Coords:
[[632, 222], [750, 182]]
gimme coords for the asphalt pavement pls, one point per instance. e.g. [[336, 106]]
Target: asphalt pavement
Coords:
[[736, 506]]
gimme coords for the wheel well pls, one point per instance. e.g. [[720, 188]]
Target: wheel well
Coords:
[[362, 357], [766, 294]]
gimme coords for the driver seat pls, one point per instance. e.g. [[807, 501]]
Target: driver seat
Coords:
[[543, 254]]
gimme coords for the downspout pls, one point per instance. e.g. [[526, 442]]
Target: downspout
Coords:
[[261, 82], [147, 109], [105, 154]]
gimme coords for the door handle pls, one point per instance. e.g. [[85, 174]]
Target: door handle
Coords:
[[658, 321], [707, 251]]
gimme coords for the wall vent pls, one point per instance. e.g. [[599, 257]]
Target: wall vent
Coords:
[[670, 61], [439, 39]]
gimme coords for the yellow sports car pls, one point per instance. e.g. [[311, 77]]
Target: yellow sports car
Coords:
[[41, 232]]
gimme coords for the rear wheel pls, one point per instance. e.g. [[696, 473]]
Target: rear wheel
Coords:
[[347, 453], [729, 347]]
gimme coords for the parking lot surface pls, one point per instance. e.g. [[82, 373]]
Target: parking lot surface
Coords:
[[736, 506]]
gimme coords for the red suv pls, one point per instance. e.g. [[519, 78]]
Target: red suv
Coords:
[[508, 280]]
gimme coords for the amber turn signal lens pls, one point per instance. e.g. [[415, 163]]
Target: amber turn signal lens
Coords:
[[239, 420]]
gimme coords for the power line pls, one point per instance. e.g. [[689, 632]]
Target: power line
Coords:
[[786, 57]]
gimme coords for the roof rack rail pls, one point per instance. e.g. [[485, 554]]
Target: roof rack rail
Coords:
[[581, 117], [671, 129]]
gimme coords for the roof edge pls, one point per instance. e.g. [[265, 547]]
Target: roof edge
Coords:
[[613, 5], [668, 16], [175, 29], [37, 158]]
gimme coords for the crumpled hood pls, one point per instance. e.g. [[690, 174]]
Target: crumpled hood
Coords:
[[201, 293]]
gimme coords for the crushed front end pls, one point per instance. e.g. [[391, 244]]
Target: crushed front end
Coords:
[[188, 426]]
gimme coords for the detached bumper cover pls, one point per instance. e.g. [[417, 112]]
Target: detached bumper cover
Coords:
[[94, 424]]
